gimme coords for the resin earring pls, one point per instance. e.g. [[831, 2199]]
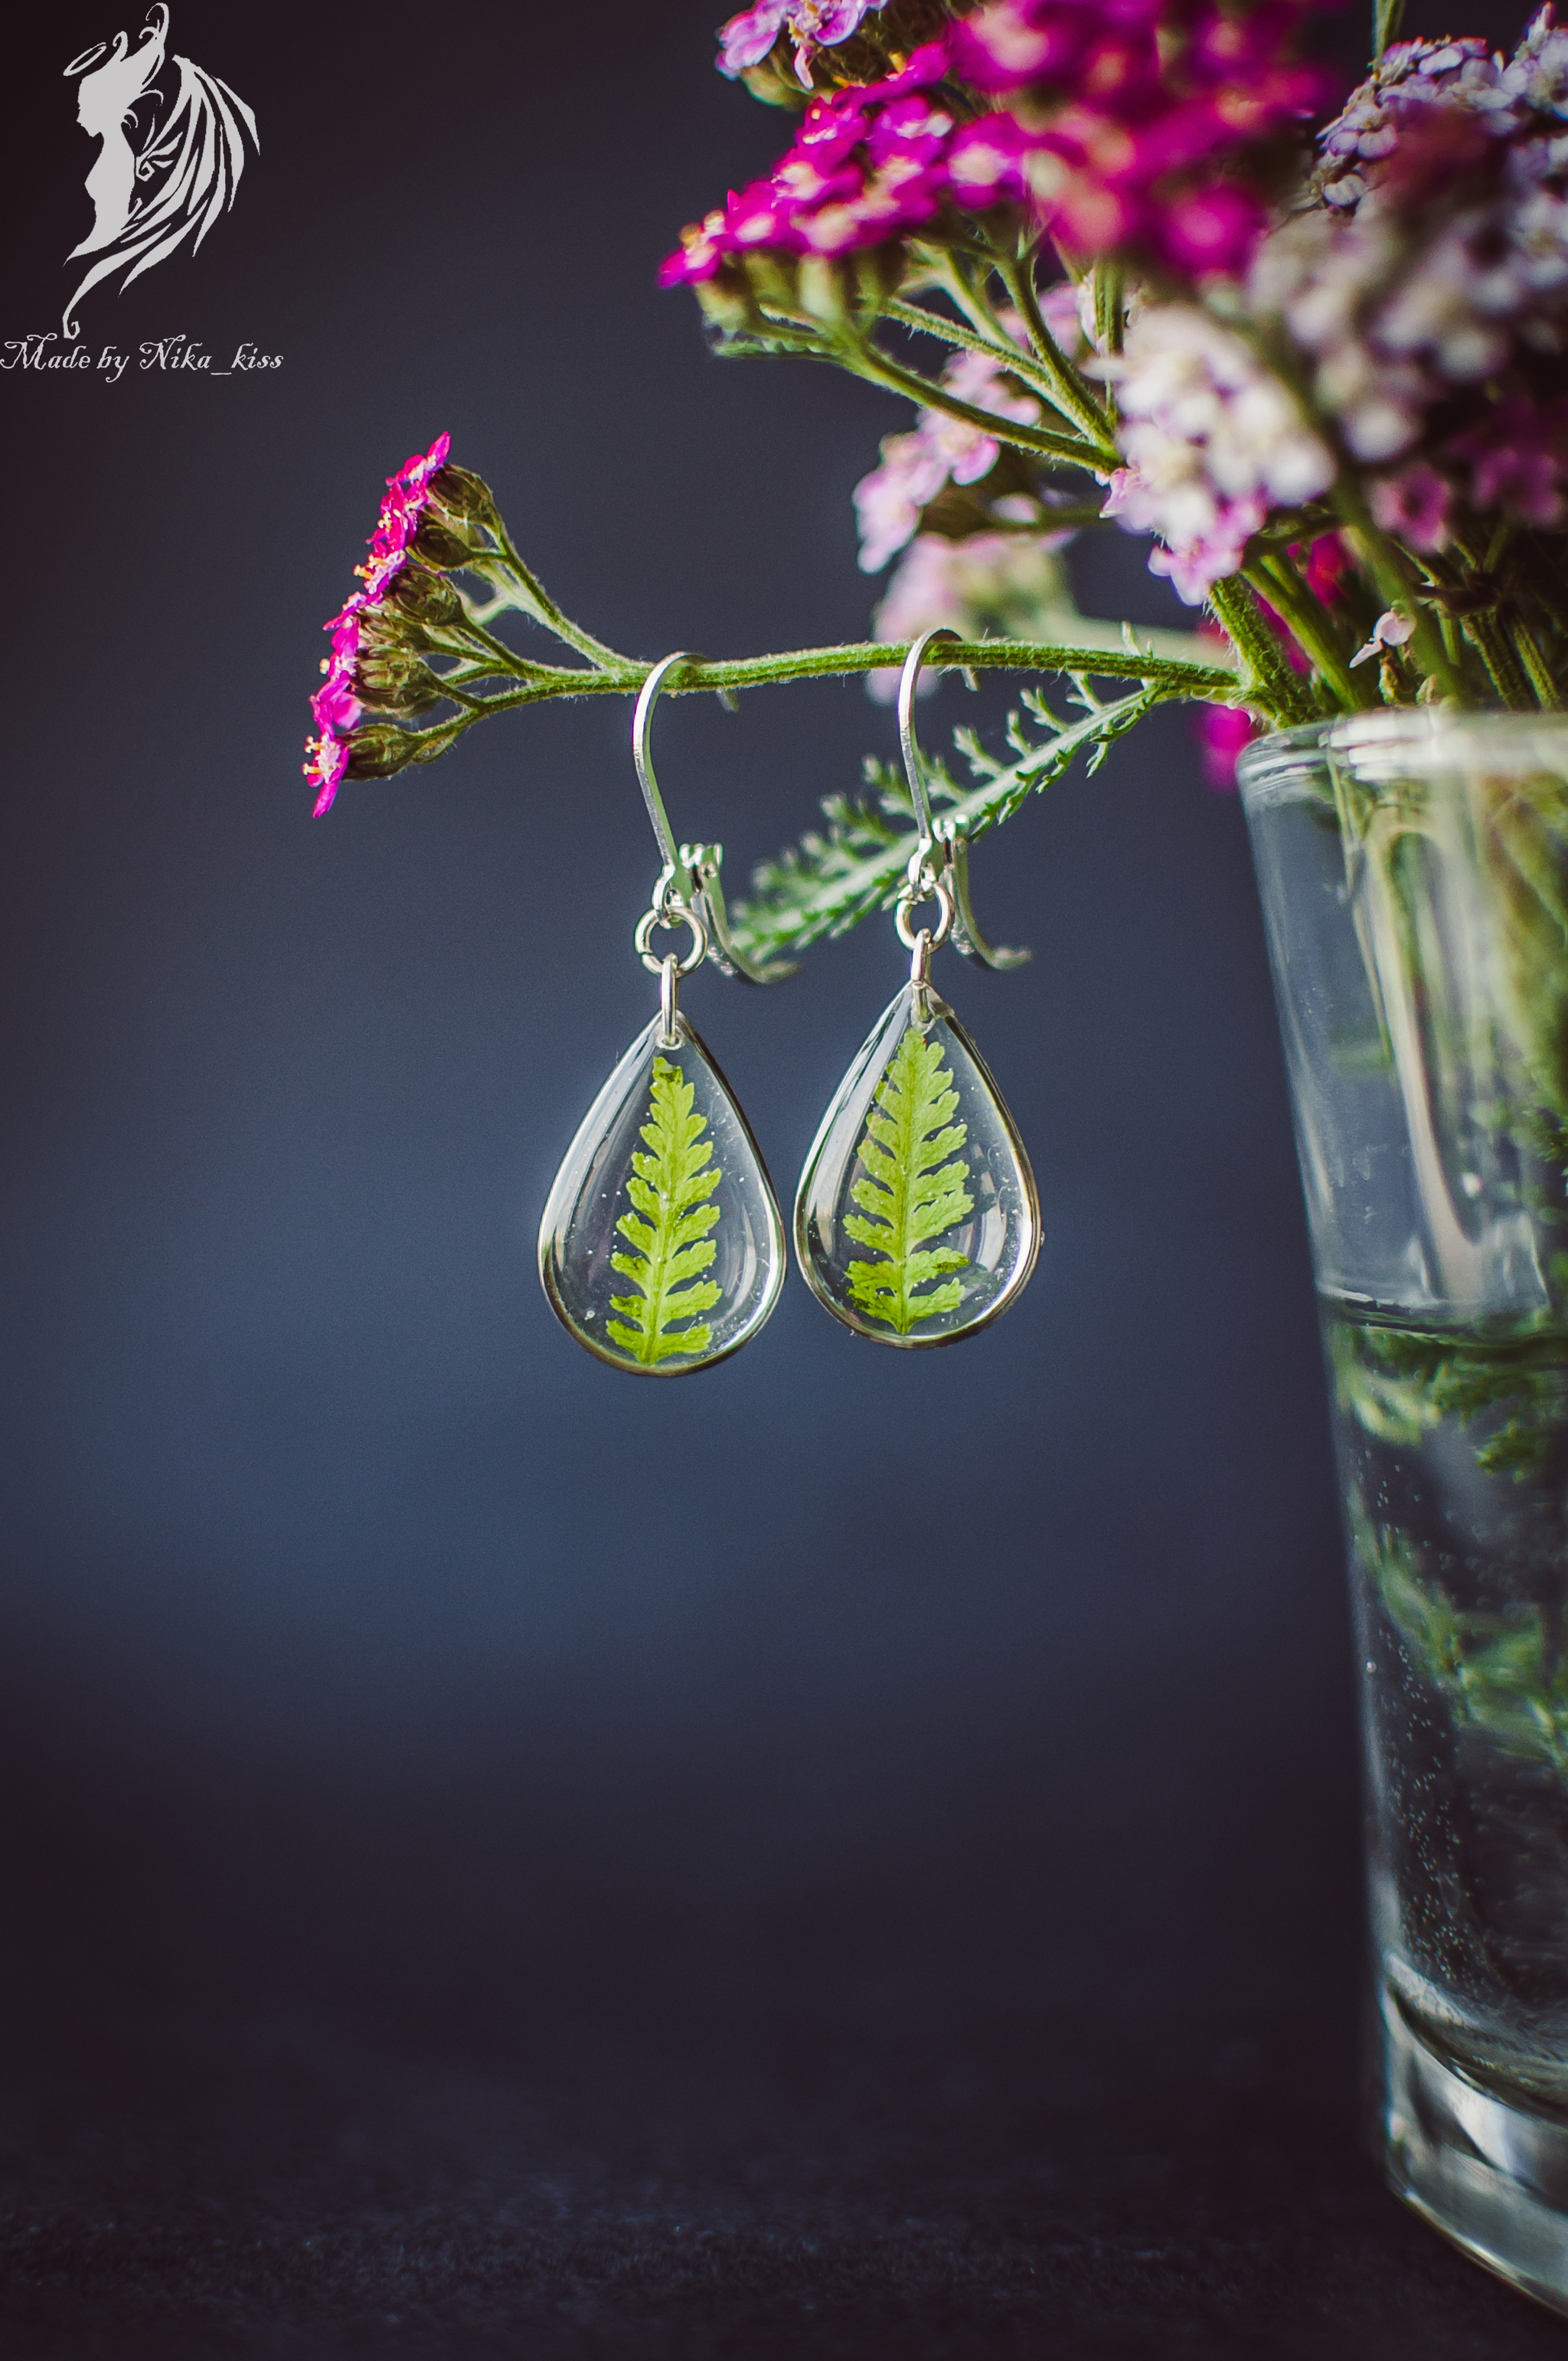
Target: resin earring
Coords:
[[661, 1248], [916, 1221]]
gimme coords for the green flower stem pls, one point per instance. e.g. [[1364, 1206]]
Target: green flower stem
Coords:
[[1110, 315], [470, 675], [865, 360], [493, 657], [1284, 589], [1069, 392], [1160, 672], [1023, 364], [1156, 656], [1072, 516], [1386, 17], [1486, 634], [1273, 688], [1546, 578], [971, 300], [1536, 666], [535, 601], [1398, 582], [954, 332]]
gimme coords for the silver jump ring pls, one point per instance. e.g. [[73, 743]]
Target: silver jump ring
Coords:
[[939, 893], [669, 1001], [677, 916]]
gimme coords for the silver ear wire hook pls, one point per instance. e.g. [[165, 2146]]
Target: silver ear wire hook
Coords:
[[675, 882], [967, 937], [941, 854], [689, 882]]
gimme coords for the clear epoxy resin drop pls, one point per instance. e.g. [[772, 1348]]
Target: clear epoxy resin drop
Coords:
[[917, 1221], [661, 1248]]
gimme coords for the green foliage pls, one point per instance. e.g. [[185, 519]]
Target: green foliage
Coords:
[[1386, 15], [833, 878], [1523, 847], [1499, 1673], [909, 1192], [669, 1228], [1399, 1383]]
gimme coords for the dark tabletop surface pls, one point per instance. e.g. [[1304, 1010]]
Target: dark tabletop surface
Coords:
[[313, 2073]]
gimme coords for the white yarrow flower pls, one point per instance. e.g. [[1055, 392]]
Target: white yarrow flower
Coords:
[[1213, 440]]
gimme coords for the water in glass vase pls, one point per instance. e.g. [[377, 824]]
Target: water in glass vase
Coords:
[[1414, 873], [1454, 1453]]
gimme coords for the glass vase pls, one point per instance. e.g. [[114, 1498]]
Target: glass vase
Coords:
[[1413, 867]]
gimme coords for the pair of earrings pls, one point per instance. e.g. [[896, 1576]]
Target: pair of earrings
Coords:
[[917, 1222]]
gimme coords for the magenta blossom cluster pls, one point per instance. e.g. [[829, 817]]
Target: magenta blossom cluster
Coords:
[[1518, 458], [1140, 123], [811, 25], [872, 162], [335, 705], [1121, 126]]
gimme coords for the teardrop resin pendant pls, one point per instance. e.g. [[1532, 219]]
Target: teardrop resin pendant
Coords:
[[917, 1221], [661, 1247]]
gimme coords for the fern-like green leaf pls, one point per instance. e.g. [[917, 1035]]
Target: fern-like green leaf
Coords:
[[1399, 1383], [1496, 1672], [909, 1192], [668, 1228], [836, 877]]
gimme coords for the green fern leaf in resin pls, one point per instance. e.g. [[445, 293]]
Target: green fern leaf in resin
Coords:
[[668, 1228], [912, 1188]]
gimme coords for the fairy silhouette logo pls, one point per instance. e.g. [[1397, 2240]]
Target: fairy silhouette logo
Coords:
[[157, 181]]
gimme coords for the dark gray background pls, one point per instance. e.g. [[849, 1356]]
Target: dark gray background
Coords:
[[851, 1853]]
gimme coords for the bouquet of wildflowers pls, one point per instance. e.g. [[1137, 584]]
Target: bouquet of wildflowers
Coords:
[[1140, 266]]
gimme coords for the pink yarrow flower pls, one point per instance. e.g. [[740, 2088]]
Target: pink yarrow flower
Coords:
[[869, 166], [745, 41], [335, 706], [942, 450], [1519, 458], [326, 758], [408, 497], [1415, 505], [1136, 116], [1324, 564], [1222, 731], [1122, 126]]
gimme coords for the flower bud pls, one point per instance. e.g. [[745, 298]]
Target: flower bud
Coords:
[[461, 493], [879, 273], [383, 628], [727, 301], [822, 282], [439, 545], [394, 680], [380, 750], [424, 595], [774, 80]]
